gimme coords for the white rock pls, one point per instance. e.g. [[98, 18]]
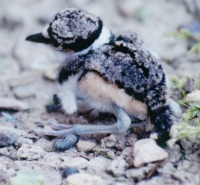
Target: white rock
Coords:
[[76, 162], [30, 152], [117, 167], [51, 74], [160, 180], [13, 104], [193, 96], [83, 179], [25, 91], [85, 146], [147, 151], [22, 140], [23, 80], [13, 130], [109, 141], [98, 165]]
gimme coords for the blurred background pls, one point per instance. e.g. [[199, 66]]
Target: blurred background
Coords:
[[169, 28]]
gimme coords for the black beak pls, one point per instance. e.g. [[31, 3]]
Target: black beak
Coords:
[[39, 38]]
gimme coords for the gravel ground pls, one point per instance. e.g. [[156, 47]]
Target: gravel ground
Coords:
[[28, 81]]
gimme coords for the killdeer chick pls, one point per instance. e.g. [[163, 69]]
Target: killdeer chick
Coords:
[[110, 73]]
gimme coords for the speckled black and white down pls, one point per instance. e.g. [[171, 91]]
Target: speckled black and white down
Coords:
[[126, 63], [74, 29], [111, 73]]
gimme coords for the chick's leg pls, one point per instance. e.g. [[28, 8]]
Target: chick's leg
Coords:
[[120, 127]]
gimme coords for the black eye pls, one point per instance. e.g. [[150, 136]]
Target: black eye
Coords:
[[55, 43]]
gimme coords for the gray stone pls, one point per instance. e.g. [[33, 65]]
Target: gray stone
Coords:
[[174, 153], [167, 169], [7, 138], [9, 118], [120, 144], [69, 171], [189, 85], [65, 143], [127, 154], [186, 144], [130, 141]]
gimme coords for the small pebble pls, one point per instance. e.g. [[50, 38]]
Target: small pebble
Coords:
[[120, 144], [109, 141], [97, 165], [189, 85], [174, 153], [7, 138], [76, 162], [24, 80], [68, 171], [193, 96], [30, 152], [25, 91], [13, 130], [12, 104], [83, 178], [51, 74], [146, 151], [167, 169], [85, 146], [139, 173], [9, 118], [65, 143], [21, 140], [117, 167], [186, 144]]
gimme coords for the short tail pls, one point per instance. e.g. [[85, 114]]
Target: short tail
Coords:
[[159, 110], [162, 118]]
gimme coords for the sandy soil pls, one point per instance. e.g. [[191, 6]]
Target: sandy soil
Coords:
[[28, 74]]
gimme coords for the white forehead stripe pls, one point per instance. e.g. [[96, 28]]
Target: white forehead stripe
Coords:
[[44, 31]]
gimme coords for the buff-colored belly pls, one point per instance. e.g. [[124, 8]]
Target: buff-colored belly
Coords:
[[98, 92]]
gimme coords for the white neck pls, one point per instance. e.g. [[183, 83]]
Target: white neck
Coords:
[[103, 39]]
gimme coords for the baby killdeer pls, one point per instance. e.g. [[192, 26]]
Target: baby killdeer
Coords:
[[110, 73]]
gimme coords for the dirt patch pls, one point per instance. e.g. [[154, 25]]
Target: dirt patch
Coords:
[[28, 75]]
